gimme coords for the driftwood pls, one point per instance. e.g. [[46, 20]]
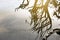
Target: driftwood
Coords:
[[44, 20]]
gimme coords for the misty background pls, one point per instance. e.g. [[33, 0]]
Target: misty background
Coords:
[[13, 25]]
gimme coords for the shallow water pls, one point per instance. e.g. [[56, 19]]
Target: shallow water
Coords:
[[13, 28]]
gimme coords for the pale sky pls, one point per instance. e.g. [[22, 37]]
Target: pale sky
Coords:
[[7, 12], [7, 8]]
